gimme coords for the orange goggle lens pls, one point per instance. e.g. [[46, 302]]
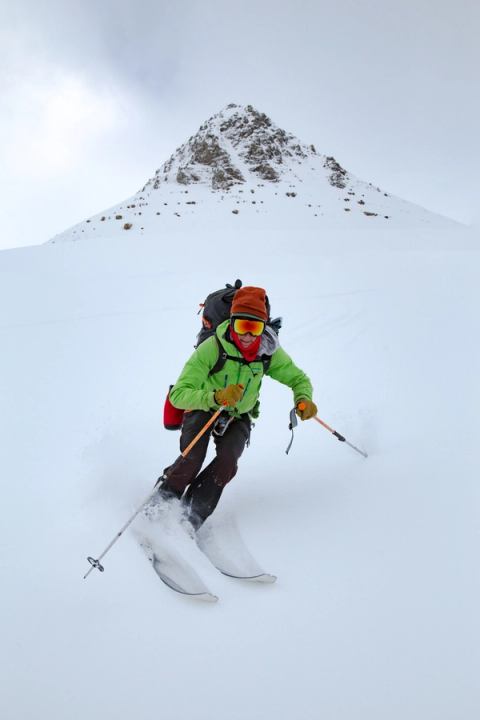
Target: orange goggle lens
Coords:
[[242, 326]]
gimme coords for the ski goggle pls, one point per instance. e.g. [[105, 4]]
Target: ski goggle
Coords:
[[242, 326]]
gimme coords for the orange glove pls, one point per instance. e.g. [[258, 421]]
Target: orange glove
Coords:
[[229, 395], [306, 409]]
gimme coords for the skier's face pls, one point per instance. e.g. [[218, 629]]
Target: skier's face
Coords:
[[246, 340]]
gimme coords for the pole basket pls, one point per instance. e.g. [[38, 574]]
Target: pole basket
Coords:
[[96, 564]]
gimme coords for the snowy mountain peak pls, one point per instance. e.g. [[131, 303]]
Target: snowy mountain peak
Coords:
[[238, 144], [242, 172]]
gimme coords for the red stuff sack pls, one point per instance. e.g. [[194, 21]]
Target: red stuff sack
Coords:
[[172, 416]]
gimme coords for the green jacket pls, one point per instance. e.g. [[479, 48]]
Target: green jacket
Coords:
[[195, 389]]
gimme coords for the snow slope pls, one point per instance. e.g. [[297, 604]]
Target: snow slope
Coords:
[[375, 613]]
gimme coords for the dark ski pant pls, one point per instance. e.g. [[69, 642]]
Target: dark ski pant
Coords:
[[203, 489]]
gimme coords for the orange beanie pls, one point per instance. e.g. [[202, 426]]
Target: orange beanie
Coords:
[[250, 301]]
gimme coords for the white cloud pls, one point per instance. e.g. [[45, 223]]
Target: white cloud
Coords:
[[55, 118], [95, 96]]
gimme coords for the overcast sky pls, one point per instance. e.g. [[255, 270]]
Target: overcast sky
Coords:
[[94, 96]]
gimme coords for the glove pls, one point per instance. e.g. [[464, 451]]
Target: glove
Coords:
[[306, 409], [229, 395]]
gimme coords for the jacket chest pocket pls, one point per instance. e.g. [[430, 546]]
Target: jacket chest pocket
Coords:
[[252, 378], [246, 375]]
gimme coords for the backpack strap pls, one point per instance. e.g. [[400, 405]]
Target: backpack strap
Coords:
[[223, 356], [266, 360]]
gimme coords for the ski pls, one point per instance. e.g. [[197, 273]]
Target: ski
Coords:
[[163, 536], [223, 545], [176, 573]]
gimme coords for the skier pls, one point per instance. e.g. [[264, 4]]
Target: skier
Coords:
[[250, 350]]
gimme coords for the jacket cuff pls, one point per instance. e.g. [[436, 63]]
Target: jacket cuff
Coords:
[[212, 403], [301, 397]]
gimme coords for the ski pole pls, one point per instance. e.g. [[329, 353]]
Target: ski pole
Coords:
[[95, 562], [202, 432], [301, 406]]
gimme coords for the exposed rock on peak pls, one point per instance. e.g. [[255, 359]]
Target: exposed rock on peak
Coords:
[[338, 177], [233, 144]]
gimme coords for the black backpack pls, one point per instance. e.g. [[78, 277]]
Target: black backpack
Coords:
[[215, 310]]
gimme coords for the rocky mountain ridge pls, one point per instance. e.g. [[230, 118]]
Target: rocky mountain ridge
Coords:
[[237, 142], [240, 165]]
